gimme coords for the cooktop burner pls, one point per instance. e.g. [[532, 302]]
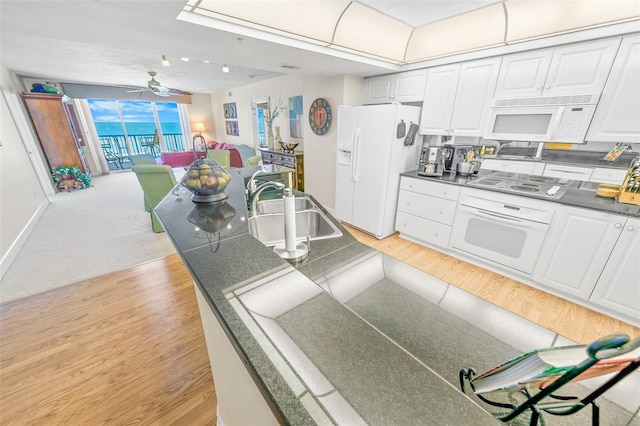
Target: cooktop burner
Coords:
[[515, 183], [525, 188]]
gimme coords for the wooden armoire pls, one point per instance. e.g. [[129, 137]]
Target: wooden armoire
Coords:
[[58, 129]]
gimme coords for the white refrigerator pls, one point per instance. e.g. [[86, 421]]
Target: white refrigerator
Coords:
[[370, 158]]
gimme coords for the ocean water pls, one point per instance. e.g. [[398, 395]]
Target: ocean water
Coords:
[[114, 128]]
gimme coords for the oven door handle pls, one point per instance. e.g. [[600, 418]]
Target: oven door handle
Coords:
[[507, 219]]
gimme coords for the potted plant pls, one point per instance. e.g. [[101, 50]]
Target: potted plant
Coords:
[[68, 173]]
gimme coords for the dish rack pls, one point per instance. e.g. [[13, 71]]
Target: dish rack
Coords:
[[630, 189]]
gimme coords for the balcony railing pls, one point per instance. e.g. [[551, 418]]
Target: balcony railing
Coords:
[[117, 151]]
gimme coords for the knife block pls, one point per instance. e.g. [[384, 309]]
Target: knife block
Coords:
[[631, 181]]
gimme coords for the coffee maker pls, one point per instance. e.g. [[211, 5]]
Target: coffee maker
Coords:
[[431, 161], [453, 155]]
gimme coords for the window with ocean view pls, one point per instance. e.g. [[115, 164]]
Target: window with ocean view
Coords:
[[136, 127]]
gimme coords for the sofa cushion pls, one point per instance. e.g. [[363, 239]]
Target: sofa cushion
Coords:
[[239, 153], [180, 158]]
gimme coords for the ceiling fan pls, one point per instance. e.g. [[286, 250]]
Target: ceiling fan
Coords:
[[154, 86]]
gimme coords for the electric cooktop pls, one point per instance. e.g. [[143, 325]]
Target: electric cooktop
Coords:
[[521, 184]]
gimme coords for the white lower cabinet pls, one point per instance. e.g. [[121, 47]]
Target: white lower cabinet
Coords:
[[588, 256], [606, 175], [618, 288], [576, 250], [426, 210]]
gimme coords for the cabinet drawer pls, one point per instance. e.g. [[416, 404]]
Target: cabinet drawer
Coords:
[[276, 159], [436, 209], [434, 189], [423, 229], [289, 162], [604, 175], [567, 172], [509, 166]]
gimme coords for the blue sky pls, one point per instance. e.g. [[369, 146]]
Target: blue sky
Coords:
[[137, 111]]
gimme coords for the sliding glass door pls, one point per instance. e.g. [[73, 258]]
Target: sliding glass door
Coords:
[[136, 127]]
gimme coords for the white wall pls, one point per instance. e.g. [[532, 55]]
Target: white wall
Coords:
[[200, 111], [319, 151], [22, 198]]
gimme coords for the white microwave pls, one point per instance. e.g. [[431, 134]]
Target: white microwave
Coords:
[[563, 119]]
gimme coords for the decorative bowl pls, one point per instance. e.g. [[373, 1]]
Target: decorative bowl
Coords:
[[207, 180], [288, 147]]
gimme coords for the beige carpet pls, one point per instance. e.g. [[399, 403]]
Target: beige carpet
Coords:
[[84, 234]]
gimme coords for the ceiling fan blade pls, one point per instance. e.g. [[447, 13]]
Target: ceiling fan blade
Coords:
[[142, 89], [176, 92]]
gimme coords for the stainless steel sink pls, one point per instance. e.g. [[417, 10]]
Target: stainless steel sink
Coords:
[[269, 227], [277, 206]]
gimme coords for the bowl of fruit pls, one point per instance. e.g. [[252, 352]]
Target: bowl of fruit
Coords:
[[207, 180]]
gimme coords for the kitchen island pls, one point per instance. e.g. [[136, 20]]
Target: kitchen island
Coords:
[[348, 336]]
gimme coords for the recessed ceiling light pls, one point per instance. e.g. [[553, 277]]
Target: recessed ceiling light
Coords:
[[165, 61], [225, 68], [185, 59], [206, 62]]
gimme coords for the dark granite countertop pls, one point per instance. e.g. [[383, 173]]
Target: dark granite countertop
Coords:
[[362, 337], [576, 197], [355, 358]]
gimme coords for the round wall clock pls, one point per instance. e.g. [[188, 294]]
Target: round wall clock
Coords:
[[320, 116]]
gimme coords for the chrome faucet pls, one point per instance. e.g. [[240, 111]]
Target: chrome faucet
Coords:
[[251, 185], [254, 194]]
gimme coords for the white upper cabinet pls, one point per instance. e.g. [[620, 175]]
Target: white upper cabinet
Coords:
[[567, 70], [378, 89], [410, 86], [476, 85], [439, 95], [402, 87], [617, 116], [523, 74], [457, 98]]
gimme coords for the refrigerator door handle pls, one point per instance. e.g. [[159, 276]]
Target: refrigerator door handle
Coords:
[[354, 160], [352, 154]]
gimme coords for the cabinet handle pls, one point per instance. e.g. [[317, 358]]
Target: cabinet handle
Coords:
[[410, 185], [630, 228], [618, 225], [444, 192], [547, 87], [440, 211]]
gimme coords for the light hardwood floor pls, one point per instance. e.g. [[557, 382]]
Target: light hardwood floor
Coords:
[[573, 321], [128, 347], [124, 348]]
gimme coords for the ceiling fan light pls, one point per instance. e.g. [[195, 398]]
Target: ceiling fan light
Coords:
[[225, 68], [185, 59], [165, 61]]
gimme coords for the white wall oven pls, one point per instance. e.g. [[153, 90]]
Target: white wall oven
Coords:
[[508, 230]]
